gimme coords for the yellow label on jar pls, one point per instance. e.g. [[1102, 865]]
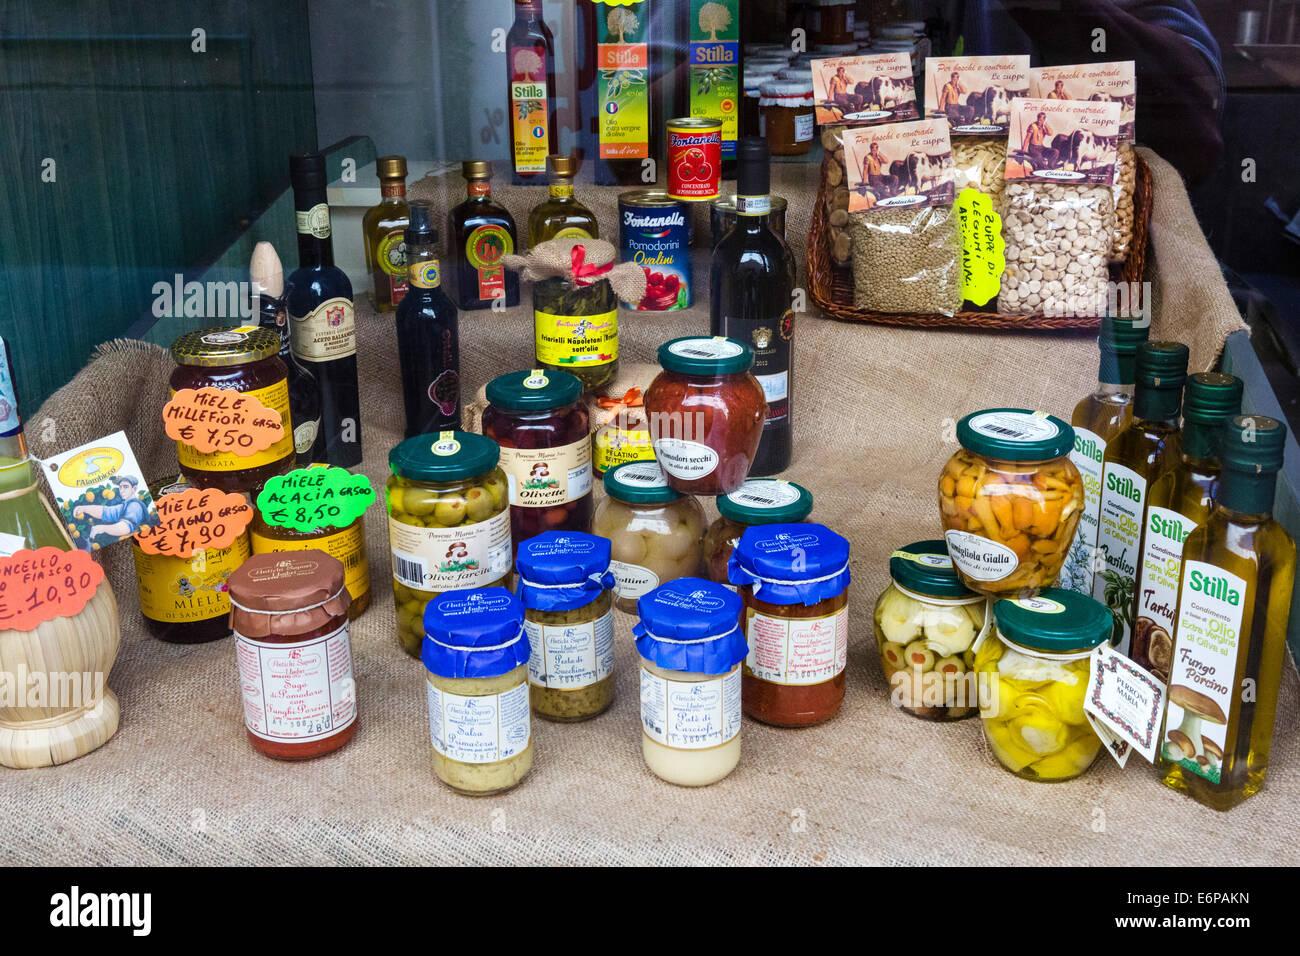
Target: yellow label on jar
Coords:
[[186, 590], [275, 397], [613, 446], [576, 341], [348, 545]]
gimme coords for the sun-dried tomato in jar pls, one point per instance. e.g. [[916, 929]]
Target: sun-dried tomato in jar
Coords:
[[542, 427], [706, 414]]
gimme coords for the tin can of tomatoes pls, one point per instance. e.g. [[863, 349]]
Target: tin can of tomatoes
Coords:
[[654, 232], [694, 158]]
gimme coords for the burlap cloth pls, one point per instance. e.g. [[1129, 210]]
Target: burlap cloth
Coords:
[[180, 784]]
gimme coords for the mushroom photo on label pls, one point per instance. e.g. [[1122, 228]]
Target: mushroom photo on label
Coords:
[[1186, 739]]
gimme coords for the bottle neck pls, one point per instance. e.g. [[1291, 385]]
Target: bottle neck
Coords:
[[1247, 493], [422, 270], [752, 212], [479, 189], [1112, 390], [562, 191], [392, 189], [274, 316], [1117, 369], [315, 246], [1157, 404], [1200, 441], [527, 11]]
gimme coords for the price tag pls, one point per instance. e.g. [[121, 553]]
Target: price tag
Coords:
[[1126, 699], [214, 420], [38, 586], [311, 498], [194, 520], [983, 253]]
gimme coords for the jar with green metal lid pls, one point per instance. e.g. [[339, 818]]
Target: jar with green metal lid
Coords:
[[656, 534], [927, 623], [1033, 670], [243, 359], [757, 501], [448, 523]]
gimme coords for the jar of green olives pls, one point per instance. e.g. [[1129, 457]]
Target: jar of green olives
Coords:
[[448, 523]]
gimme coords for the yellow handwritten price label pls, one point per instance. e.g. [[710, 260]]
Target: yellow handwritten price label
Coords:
[[983, 253]]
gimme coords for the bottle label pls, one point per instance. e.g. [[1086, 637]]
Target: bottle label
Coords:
[[805, 650], [770, 339], [803, 128], [182, 591], [482, 729], [274, 397], [348, 545], [426, 275], [623, 80], [328, 332], [562, 190], [572, 232], [980, 558], [715, 66], [392, 188], [483, 251], [300, 692], [1157, 593], [753, 205], [529, 107], [304, 436], [546, 477], [1088, 455], [632, 580], [690, 715], [1119, 529], [573, 656], [576, 342], [391, 254], [613, 446], [684, 459], [315, 221], [1202, 681], [441, 559]]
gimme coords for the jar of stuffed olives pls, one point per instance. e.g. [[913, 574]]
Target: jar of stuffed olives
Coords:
[[656, 534], [1034, 672], [475, 653], [564, 584], [927, 624], [448, 525], [758, 501]]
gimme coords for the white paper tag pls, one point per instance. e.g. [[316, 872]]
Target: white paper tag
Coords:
[[100, 492], [10, 543], [1127, 700]]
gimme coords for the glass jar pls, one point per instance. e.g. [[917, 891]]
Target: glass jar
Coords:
[[793, 581], [564, 584], [656, 535], [758, 501], [786, 116], [184, 600], [537, 419], [833, 21], [1033, 673], [927, 623], [348, 544], [476, 656], [620, 432], [289, 613], [706, 414], [755, 75], [448, 524], [1009, 500], [243, 359], [575, 329], [691, 648]]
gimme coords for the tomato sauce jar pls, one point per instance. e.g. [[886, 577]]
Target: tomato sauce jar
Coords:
[[289, 613], [694, 158], [793, 581], [706, 414]]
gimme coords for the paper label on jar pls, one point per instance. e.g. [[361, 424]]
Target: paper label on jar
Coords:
[[327, 332], [632, 580], [803, 128], [805, 650], [441, 559], [571, 656], [690, 715], [612, 446], [684, 459], [765, 493], [1157, 593], [1126, 699], [299, 692], [546, 477], [576, 341], [183, 590], [1088, 455], [1119, 529], [479, 729], [979, 558]]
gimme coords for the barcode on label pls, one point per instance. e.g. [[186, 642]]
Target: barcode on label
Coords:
[[756, 499], [702, 353], [408, 569], [1008, 432], [352, 560]]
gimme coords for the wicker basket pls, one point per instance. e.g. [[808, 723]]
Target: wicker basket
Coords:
[[831, 286]]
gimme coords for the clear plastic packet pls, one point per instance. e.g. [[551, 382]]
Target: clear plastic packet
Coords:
[[1125, 184], [907, 260], [980, 163], [834, 177]]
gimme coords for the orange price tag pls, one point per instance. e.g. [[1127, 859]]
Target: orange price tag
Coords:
[[221, 419], [38, 586], [195, 519]]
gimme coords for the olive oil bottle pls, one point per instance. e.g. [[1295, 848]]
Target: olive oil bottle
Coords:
[[560, 215], [1145, 449], [1097, 419], [383, 228], [1233, 605], [1178, 501]]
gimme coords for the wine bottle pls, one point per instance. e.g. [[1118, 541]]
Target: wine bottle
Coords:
[[750, 287], [321, 318], [427, 345], [267, 276]]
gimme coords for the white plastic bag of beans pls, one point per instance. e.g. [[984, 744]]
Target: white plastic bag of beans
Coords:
[[1125, 184], [1058, 241]]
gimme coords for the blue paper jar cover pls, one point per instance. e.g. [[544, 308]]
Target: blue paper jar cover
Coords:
[[690, 625], [791, 563], [563, 570], [475, 632]]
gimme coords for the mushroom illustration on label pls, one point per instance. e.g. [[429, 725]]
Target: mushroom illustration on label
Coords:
[[1186, 742]]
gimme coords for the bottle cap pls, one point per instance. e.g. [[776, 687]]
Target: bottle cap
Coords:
[[1162, 365], [1015, 434], [791, 564], [754, 175], [925, 567], [690, 625], [474, 633], [265, 271], [1122, 336], [639, 482], [476, 169], [1210, 397], [1253, 444], [563, 167], [307, 171], [391, 167], [224, 347], [421, 230], [701, 355], [766, 501]]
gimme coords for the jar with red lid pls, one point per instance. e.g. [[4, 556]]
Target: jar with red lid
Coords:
[[706, 414], [242, 359], [539, 421], [793, 581], [289, 612]]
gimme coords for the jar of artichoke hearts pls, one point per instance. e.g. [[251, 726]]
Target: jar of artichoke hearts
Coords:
[[564, 584], [476, 656]]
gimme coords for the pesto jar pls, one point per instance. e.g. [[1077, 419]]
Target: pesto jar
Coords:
[[575, 329], [564, 584]]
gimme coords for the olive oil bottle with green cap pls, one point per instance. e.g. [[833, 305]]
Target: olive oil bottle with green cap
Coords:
[[1178, 501], [1230, 642], [1096, 420], [1145, 449]]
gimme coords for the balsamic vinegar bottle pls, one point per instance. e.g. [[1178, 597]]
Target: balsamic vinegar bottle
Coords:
[[427, 341], [321, 318], [750, 288]]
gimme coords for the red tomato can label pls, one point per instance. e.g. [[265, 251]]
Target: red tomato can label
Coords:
[[694, 158]]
